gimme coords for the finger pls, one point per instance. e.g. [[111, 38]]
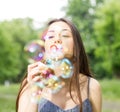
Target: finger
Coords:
[[40, 66], [36, 72], [37, 79], [32, 65], [32, 74]]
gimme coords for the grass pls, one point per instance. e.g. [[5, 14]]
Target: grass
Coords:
[[110, 92], [111, 95], [110, 89], [8, 96]]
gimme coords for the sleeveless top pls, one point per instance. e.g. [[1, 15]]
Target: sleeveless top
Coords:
[[47, 106]]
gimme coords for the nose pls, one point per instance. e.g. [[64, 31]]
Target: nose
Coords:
[[58, 40]]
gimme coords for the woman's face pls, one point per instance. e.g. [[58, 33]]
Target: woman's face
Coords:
[[59, 39]]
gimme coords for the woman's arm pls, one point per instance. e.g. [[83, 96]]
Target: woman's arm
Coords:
[[95, 95], [25, 104]]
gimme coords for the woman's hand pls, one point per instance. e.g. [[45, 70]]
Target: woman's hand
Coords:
[[36, 72]]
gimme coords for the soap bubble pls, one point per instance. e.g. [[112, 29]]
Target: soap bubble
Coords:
[[66, 68], [35, 93], [35, 50]]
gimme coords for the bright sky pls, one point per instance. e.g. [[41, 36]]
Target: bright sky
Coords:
[[39, 10]]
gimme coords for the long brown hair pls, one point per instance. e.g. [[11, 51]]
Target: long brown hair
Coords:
[[81, 64]]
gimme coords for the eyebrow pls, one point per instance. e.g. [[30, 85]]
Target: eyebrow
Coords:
[[61, 30], [66, 30]]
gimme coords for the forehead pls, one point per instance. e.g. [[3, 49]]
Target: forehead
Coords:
[[59, 26]]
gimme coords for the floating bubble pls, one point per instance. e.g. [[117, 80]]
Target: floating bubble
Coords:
[[35, 93], [35, 50], [66, 68], [54, 83]]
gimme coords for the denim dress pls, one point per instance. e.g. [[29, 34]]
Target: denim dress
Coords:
[[47, 106]]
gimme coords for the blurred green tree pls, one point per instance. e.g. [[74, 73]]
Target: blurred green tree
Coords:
[[14, 35], [107, 31]]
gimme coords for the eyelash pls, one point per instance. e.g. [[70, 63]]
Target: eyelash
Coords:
[[50, 37], [65, 36]]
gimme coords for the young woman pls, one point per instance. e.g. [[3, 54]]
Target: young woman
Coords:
[[80, 93]]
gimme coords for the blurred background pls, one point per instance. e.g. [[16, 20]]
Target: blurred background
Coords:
[[24, 20]]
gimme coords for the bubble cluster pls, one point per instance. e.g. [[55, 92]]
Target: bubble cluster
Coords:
[[54, 61], [50, 81]]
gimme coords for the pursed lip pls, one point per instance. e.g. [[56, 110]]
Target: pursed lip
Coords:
[[56, 47], [53, 47]]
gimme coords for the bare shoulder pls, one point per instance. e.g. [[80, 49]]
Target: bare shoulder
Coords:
[[95, 88], [95, 95], [94, 84]]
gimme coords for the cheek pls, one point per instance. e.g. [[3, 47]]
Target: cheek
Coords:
[[47, 46], [69, 46]]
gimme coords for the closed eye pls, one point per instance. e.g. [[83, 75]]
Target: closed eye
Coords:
[[48, 37], [65, 36]]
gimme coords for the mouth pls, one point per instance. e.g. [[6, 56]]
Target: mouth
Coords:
[[55, 48]]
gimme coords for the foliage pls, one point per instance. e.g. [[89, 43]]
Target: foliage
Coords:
[[13, 37], [107, 30]]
